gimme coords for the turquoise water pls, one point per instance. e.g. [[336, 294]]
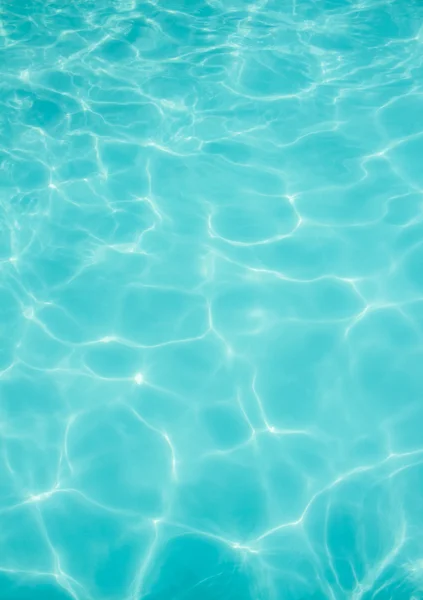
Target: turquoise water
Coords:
[[211, 300]]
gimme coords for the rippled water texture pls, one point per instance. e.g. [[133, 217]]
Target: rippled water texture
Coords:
[[211, 300]]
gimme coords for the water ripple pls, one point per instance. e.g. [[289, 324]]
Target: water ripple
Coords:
[[211, 292]]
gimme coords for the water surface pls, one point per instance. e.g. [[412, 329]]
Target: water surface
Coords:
[[211, 300]]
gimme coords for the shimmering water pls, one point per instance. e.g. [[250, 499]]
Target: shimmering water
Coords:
[[211, 300]]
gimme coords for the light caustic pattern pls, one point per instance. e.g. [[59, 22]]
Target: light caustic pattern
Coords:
[[211, 301]]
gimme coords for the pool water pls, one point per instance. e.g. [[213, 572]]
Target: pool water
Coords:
[[211, 300]]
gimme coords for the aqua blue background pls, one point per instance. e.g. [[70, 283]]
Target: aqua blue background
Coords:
[[211, 300]]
